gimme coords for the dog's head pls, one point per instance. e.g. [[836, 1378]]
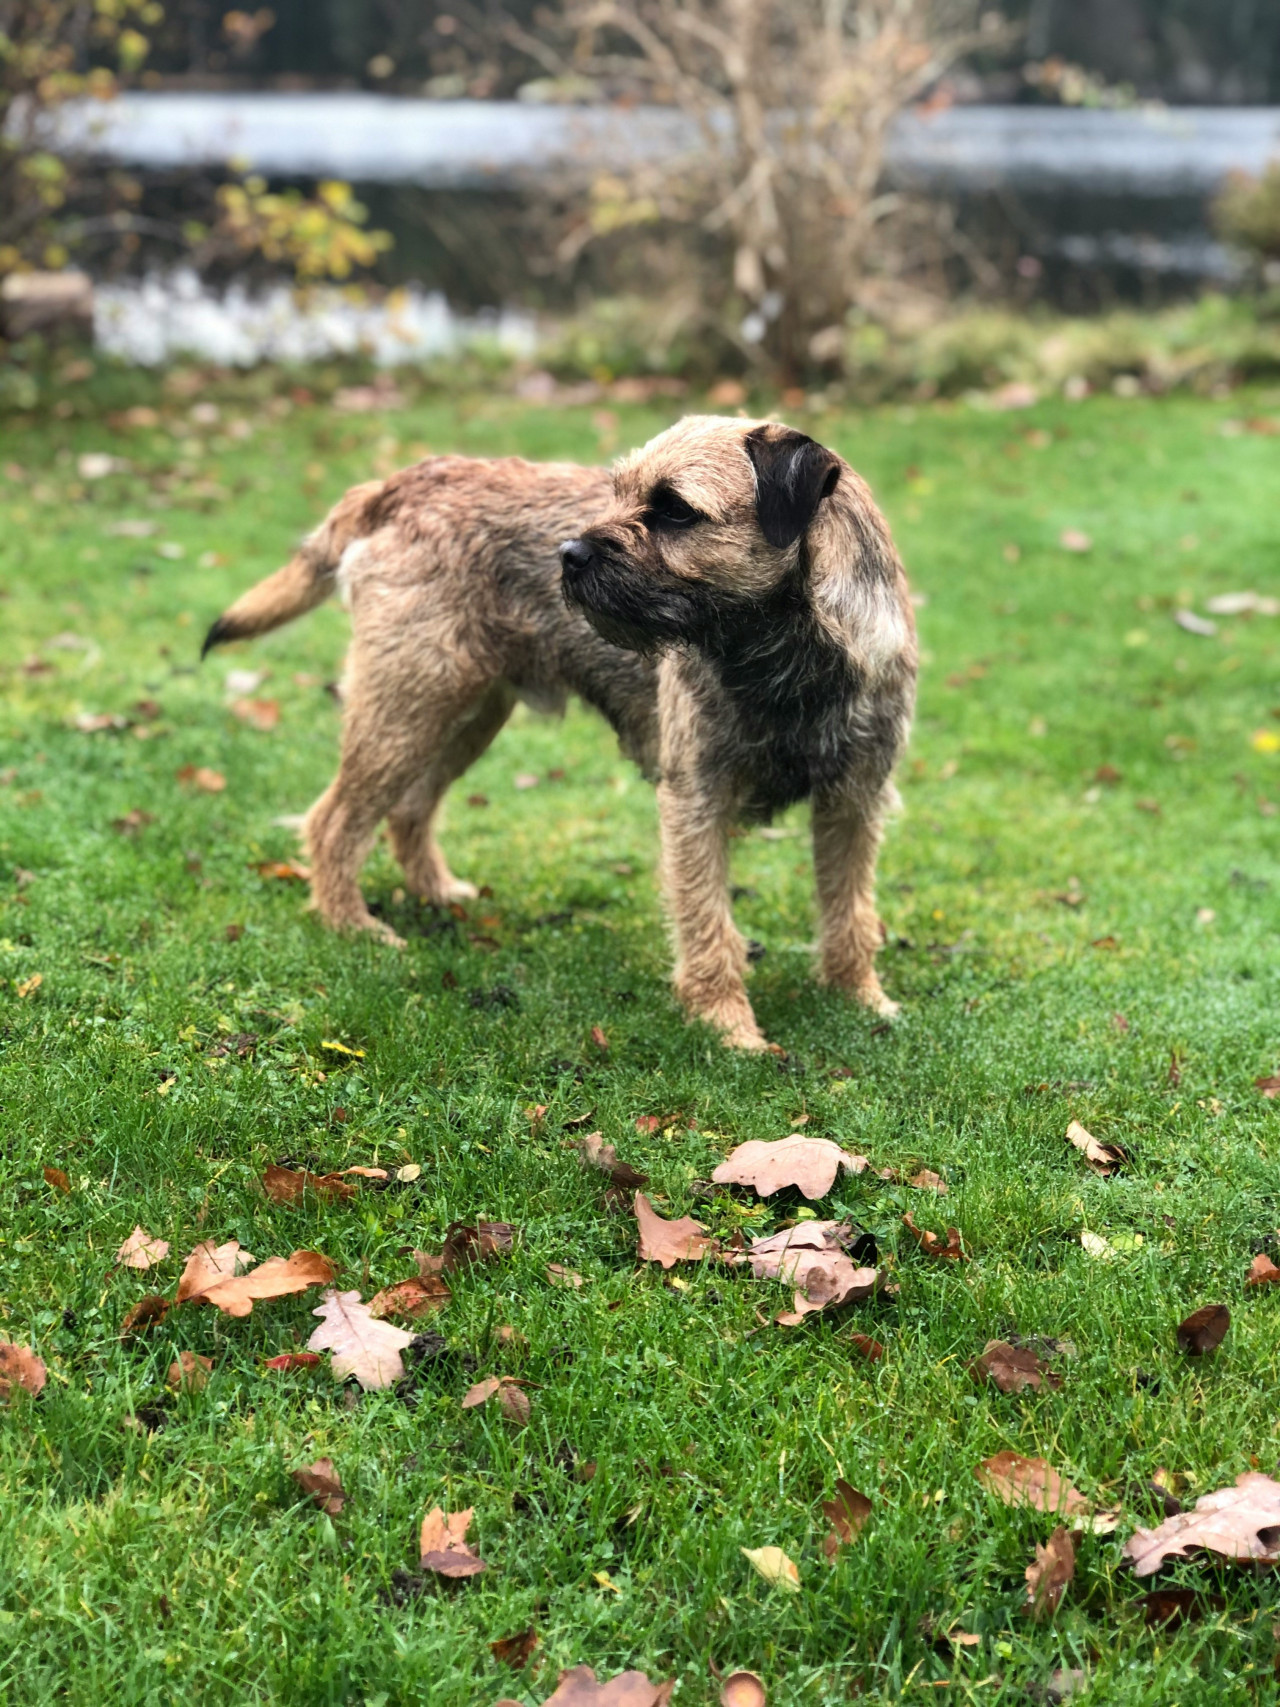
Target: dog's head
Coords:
[[709, 520]]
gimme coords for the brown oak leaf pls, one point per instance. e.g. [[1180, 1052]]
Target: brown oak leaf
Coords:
[[210, 1278], [1013, 1368], [411, 1298], [190, 1371], [1102, 1158], [515, 1651], [285, 1185], [1049, 1573], [846, 1513], [141, 1251], [669, 1242], [1262, 1271], [20, 1369], [1030, 1482], [1241, 1522], [443, 1544], [320, 1480], [361, 1345], [515, 1403], [810, 1164], [596, 1153], [1204, 1330], [578, 1688], [143, 1315], [932, 1246]]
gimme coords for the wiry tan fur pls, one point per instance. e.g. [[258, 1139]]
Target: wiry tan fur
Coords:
[[450, 573]]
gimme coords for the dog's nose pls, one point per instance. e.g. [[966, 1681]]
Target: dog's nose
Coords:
[[576, 555]]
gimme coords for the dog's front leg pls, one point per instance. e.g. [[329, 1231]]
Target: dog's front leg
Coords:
[[711, 956], [846, 840]]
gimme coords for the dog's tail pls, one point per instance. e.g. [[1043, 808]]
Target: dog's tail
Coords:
[[307, 580]]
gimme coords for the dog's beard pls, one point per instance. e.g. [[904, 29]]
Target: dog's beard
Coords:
[[638, 612]]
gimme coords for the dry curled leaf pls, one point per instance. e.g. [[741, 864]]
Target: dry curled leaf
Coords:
[[210, 1277], [200, 776], [464, 1244], [742, 1689], [261, 714], [1049, 1573], [847, 1513], [669, 1242], [1241, 1522], [1175, 1606], [361, 1345], [515, 1403], [285, 1185], [927, 1180], [443, 1544], [320, 1480], [20, 1370], [293, 1360], [283, 871], [515, 1651], [578, 1688], [774, 1566], [1204, 1330], [57, 1179], [1102, 1158], [190, 1371], [1031, 1482], [141, 1251], [932, 1246], [810, 1164], [596, 1153], [559, 1275], [1013, 1368], [866, 1347], [1262, 1271], [143, 1315], [411, 1298], [1269, 1085]]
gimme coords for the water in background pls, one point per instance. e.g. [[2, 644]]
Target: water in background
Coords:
[[153, 320]]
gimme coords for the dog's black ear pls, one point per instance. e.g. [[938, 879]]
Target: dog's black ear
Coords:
[[793, 475]]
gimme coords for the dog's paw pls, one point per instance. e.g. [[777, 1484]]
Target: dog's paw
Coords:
[[440, 894]]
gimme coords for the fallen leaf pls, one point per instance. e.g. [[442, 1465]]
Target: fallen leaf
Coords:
[[283, 870], [932, 1245], [559, 1275], [1049, 1573], [742, 1689], [811, 1164], [284, 1185], [774, 1566], [1073, 539], [132, 822], [1192, 623], [320, 1480], [1097, 1247], [596, 1153], [335, 1048], [927, 1180], [1031, 1482], [1269, 1085], [143, 1315], [411, 1298], [1204, 1330], [361, 1345], [1177, 1606], [1013, 1368], [669, 1242], [443, 1544], [515, 1403], [648, 1123], [199, 776], [1262, 1272], [293, 1360], [210, 1277], [20, 1368], [578, 1688], [515, 1651], [404, 1175], [262, 714], [1065, 1682], [1102, 1158], [366, 1173], [57, 1179], [141, 1251], [1241, 1522], [846, 1513], [190, 1371], [598, 1038], [465, 1244]]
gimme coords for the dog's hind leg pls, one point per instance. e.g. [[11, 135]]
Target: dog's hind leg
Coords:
[[846, 841], [391, 737], [411, 823], [711, 956]]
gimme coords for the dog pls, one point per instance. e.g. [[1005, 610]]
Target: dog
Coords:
[[729, 597]]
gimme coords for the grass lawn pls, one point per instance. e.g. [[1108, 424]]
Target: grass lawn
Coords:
[[155, 1548]]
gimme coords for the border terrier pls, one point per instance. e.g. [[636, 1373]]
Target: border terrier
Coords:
[[729, 597]]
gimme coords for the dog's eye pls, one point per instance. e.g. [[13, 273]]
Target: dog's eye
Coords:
[[668, 509]]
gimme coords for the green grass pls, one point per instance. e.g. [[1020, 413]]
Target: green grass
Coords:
[[184, 1564]]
